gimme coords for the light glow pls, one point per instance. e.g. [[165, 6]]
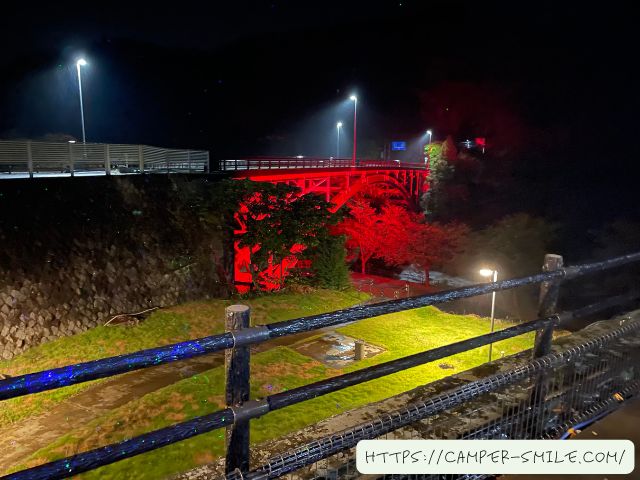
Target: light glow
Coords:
[[485, 272], [81, 62], [354, 98], [339, 124]]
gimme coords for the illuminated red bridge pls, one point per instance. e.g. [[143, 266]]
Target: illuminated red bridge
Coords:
[[335, 179]]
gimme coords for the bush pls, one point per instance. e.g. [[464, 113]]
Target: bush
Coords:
[[329, 265]]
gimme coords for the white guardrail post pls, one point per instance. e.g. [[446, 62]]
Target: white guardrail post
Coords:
[[141, 158], [29, 159], [107, 159], [71, 157]]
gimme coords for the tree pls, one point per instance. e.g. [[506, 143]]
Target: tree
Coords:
[[399, 237], [433, 245], [449, 150], [440, 171], [329, 264], [619, 237], [277, 218], [515, 246], [362, 229]]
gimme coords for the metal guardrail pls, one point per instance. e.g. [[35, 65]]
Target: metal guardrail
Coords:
[[26, 158], [281, 163], [241, 410]]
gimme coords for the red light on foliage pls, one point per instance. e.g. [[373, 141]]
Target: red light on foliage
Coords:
[[480, 141]]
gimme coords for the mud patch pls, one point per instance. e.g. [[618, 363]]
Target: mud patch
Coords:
[[336, 350]]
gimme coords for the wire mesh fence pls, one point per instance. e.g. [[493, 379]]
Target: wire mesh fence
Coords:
[[545, 398]]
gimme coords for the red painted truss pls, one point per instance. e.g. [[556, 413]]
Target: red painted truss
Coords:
[[337, 185]]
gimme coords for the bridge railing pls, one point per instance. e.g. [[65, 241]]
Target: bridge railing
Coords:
[[26, 158], [276, 163], [239, 337]]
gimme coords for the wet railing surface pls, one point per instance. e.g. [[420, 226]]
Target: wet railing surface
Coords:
[[240, 410]]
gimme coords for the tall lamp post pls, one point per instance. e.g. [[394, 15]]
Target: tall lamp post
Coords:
[[338, 127], [426, 149], [485, 272], [355, 108], [81, 63]]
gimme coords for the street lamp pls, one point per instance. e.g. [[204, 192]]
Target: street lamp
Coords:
[[355, 108], [485, 272], [430, 133], [81, 63], [338, 127]]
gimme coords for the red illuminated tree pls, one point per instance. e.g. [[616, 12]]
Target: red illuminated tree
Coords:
[[375, 234], [432, 245], [362, 227], [399, 237]]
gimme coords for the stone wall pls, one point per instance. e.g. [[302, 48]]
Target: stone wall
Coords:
[[76, 252]]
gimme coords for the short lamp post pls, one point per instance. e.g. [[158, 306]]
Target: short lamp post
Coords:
[[485, 272]]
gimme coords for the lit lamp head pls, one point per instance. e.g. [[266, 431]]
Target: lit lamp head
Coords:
[[354, 98], [429, 132], [81, 62], [339, 124], [485, 272]]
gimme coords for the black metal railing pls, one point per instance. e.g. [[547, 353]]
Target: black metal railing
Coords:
[[236, 417]]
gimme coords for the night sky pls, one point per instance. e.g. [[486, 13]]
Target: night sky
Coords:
[[551, 86]]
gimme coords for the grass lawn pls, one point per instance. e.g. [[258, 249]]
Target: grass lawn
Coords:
[[170, 325], [276, 370]]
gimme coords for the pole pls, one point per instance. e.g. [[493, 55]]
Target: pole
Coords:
[[493, 311], [84, 139], [237, 390], [355, 108], [549, 292], [338, 144]]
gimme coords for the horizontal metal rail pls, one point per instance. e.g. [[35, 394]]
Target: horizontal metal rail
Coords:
[[83, 372], [92, 459], [252, 409], [281, 163]]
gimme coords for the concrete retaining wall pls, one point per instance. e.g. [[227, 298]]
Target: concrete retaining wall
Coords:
[[76, 252]]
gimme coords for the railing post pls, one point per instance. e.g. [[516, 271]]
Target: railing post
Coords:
[[237, 390], [107, 159], [71, 166], [29, 159], [547, 305], [189, 160], [141, 159]]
